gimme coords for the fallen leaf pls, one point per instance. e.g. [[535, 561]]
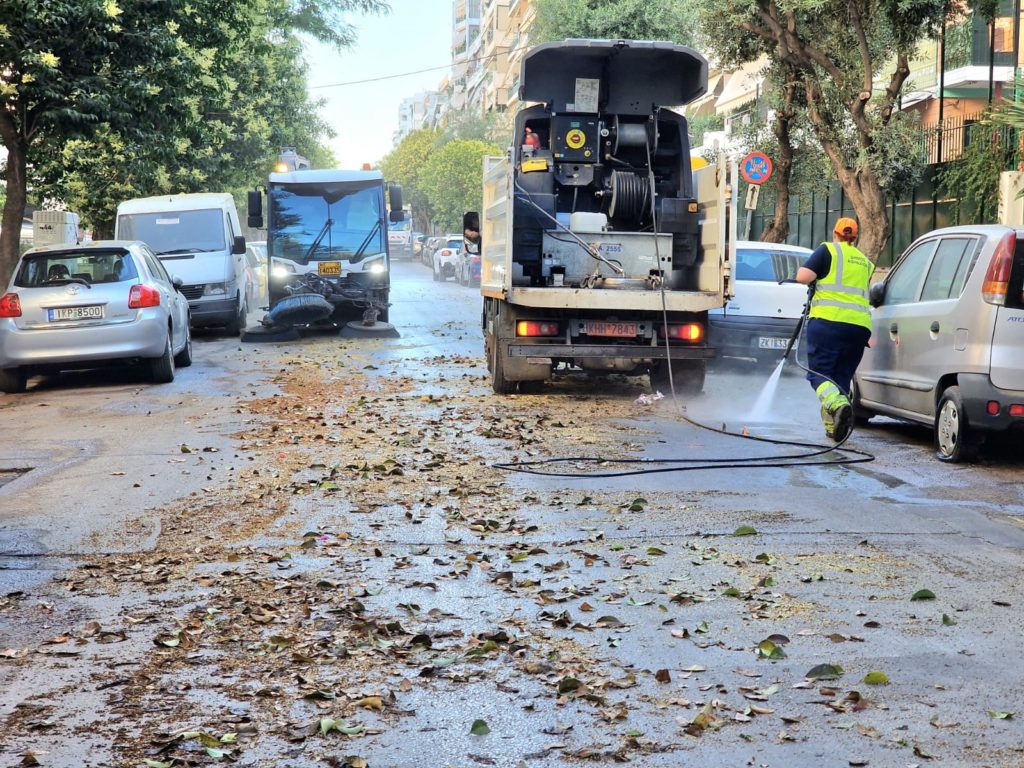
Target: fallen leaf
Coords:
[[876, 678], [923, 594], [745, 530], [479, 728]]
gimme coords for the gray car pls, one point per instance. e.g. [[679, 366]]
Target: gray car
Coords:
[[948, 338], [81, 306]]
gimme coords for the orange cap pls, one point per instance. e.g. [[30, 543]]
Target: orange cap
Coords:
[[846, 226]]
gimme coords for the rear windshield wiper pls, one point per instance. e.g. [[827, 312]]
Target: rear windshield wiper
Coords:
[[185, 250], [63, 280]]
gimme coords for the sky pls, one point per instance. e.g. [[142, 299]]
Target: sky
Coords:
[[415, 35]]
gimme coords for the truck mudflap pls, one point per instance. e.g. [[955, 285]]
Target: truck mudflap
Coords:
[[625, 351]]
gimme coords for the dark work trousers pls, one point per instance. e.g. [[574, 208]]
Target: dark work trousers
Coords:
[[834, 351]]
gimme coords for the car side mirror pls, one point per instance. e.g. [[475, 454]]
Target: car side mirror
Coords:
[[395, 203], [876, 294], [238, 247], [255, 206], [177, 282]]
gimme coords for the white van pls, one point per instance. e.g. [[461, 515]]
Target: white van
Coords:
[[198, 238]]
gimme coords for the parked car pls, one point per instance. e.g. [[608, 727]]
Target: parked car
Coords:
[[948, 338], [759, 320], [256, 273], [469, 266], [418, 239], [431, 245], [446, 258], [81, 306]]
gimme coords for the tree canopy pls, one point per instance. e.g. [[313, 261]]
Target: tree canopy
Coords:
[[672, 20]]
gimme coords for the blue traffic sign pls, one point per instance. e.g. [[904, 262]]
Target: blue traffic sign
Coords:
[[756, 168]]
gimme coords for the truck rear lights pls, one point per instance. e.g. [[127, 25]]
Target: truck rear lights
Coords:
[[1017, 409], [10, 305], [992, 407], [536, 328], [997, 278], [141, 296], [690, 332]]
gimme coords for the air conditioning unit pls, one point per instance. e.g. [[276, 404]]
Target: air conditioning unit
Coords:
[[54, 227]]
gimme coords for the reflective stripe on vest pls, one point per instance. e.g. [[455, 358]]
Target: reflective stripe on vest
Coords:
[[842, 295]]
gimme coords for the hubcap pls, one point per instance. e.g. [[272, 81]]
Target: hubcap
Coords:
[[949, 428]]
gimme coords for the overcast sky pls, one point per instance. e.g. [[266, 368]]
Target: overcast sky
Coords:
[[415, 35]]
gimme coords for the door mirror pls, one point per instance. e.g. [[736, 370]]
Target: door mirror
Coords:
[[876, 294], [238, 247], [395, 203], [255, 205], [177, 282]]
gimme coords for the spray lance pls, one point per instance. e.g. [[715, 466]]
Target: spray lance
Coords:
[[803, 318]]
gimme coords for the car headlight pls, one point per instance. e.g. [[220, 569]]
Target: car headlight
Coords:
[[376, 266], [280, 269], [215, 289]]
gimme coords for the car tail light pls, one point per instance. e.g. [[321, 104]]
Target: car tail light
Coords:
[[997, 278], [141, 296], [10, 305], [536, 328], [1017, 409], [992, 407], [691, 332]]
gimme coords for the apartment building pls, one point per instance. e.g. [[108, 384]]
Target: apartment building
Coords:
[[422, 110], [465, 47]]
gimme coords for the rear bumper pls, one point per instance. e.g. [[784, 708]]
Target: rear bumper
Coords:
[[212, 311], [977, 391], [740, 336], [621, 351], [143, 337]]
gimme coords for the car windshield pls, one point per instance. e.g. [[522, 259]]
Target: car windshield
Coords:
[[314, 222], [454, 243], [767, 265], [92, 267], [199, 231]]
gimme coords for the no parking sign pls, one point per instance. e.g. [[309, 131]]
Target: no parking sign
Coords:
[[756, 168]]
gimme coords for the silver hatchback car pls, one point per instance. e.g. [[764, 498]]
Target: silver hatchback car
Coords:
[[948, 338], [81, 306]]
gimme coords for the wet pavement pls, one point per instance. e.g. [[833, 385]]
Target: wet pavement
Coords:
[[303, 554]]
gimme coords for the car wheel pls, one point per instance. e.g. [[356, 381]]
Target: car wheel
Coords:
[[954, 439], [499, 383], [861, 415], [13, 380], [237, 323], [161, 369], [184, 358]]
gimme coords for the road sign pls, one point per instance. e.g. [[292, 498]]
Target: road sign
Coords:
[[753, 193], [756, 168]]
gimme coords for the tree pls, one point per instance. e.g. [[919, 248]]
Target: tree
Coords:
[[451, 180], [835, 50], [66, 66], [671, 20], [406, 165]]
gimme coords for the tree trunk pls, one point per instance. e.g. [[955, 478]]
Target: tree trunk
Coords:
[[14, 206], [868, 202], [778, 230]]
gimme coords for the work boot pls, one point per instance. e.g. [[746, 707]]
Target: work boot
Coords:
[[828, 421], [843, 423]]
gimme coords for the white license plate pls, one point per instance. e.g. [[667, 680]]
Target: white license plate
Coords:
[[771, 342], [76, 313]]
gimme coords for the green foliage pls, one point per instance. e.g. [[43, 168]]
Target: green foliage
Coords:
[[671, 20], [452, 180], [973, 179], [700, 124], [406, 165]]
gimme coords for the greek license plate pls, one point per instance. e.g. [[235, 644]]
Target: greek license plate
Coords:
[[329, 268], [76, 313], [598, 328], [771, 342]]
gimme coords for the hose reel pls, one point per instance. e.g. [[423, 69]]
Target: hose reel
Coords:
[[631, 198]]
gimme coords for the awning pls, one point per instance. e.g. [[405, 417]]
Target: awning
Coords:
[[741, 87]]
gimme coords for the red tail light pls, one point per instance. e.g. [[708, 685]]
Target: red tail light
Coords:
[[141, 296], [446, 251], [535, 328], [997, 278], [691, 332], [10, 305], [1017, 409]]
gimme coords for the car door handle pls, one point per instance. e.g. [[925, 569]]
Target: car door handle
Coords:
[[893, 328], [935, 327]]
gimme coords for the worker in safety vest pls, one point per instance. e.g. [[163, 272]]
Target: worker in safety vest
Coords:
[[839, 325]]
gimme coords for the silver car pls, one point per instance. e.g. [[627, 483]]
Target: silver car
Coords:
[[948, 338], [81, 306]]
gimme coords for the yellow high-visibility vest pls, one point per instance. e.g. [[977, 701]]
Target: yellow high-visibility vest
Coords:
[[842, 295]]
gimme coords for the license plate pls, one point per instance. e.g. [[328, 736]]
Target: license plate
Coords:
[[76, 313], [772, 342], [598, 328], [329, 268]]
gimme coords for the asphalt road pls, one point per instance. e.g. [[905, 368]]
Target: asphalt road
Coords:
[[268, 540]]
